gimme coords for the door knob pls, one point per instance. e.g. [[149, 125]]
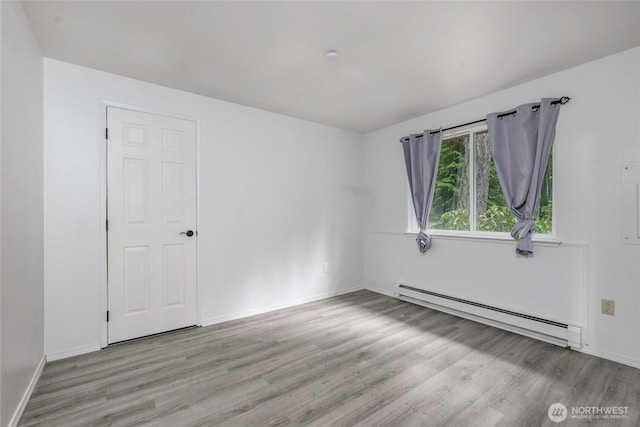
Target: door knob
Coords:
[[189, 233]]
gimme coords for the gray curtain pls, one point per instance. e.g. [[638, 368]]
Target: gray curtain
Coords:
[[520, 144], [421, 154]]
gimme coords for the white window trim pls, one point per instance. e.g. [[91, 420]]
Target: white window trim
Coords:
[[412, 223], [485, 236]]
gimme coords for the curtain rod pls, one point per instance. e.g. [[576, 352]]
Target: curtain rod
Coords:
[[562, 101]]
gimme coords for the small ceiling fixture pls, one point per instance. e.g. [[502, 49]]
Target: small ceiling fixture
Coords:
[[331, 54]]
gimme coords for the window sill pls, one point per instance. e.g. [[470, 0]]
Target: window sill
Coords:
[[479, 236]]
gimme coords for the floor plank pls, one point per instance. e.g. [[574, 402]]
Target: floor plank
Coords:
[[360, 359]]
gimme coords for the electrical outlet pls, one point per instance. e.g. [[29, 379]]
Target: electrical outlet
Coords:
[[608, 307], [325, 267]]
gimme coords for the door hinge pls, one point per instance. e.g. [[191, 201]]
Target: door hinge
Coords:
[[106, 133], [107, 315], [107, 225]]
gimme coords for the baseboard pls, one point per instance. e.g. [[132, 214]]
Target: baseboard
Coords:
[[89, 348], [27, 393], [76, 351], [380, 291], [634, 363], [629, 361], [234, 316]]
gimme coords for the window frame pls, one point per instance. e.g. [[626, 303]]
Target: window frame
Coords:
[[412, 223]]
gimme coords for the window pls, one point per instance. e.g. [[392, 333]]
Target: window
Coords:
[[468, 197]]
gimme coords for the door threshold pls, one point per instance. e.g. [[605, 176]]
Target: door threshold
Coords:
[[186, 328]]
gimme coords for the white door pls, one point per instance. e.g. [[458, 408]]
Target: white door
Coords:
[[151, 214]]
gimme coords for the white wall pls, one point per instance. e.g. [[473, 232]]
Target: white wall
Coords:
[[21, 217], [597, 131], [280, 196]]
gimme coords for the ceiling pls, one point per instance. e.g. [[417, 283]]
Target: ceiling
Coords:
[[398, 60]]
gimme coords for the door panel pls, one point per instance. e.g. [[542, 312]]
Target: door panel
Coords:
[[172, 184], [151, 167], [173, 275], [136, 190], [137, 275]]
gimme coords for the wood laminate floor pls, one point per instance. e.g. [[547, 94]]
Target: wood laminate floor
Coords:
[[360, 359]]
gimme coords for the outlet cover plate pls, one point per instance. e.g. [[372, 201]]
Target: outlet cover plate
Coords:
[[608, 307]]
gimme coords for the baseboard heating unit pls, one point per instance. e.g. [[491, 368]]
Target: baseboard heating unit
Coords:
[[535, 327]]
